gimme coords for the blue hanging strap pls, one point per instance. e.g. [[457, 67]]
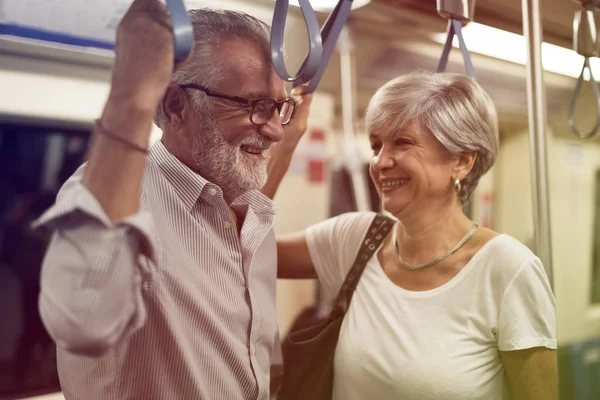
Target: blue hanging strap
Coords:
[[576, 92], [183, 33], [585, 43], [311, 63], [322, 43], [330, 34], [455, 28]]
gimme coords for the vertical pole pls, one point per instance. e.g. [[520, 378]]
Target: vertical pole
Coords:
[[353, 155], [536, 101]]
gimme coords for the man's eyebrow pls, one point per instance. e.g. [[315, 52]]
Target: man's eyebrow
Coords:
[[256, 95]]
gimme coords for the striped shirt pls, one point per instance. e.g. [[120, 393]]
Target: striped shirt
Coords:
[[170, 303]]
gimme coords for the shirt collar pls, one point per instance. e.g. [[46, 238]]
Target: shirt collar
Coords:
[[190, 186], [260, 203], [187, 184]]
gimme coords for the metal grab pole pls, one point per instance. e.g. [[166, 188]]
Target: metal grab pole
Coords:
[[353, 156], [536, 102]]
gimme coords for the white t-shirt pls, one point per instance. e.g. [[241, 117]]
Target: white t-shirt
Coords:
[[436, 344]]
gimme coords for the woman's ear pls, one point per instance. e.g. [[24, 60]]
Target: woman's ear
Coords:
[[464, 165]]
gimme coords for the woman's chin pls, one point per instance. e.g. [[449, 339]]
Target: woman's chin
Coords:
[[394, 206]]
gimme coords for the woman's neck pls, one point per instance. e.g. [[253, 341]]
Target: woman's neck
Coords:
[[424, 237]]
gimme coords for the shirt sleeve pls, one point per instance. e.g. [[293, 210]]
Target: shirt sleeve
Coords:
[[333, 245], [527, 316], [93, 271]]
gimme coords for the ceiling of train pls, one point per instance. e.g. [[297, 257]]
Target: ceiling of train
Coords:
[[394, 36]]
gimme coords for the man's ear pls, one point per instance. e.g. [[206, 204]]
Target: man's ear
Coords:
[[176, 106], [464, 165]]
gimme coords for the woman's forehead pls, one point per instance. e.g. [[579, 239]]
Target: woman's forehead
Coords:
[[385, 131]]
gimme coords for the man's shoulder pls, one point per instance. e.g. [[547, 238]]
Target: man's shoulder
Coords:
[[76, 179]]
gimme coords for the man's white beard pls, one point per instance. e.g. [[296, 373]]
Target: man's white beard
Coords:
[[225, 165]]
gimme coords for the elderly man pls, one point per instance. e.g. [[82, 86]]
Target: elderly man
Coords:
[[160, 279]]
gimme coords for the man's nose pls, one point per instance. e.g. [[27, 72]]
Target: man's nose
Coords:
[[272, 129]]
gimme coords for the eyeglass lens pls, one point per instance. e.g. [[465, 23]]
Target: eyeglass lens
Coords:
[[264, 109]]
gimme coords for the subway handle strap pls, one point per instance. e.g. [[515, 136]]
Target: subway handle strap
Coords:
[[585, 43], [455, 28], [183, 33], [321, 43], [573, 102]]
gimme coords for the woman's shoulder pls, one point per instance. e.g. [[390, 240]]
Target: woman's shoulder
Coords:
[[356, 217], [340, 235], [505, 257], [333, 245], [506, 248], [351, 223]]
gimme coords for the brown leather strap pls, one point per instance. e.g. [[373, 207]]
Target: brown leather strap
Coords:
[[377, 232]]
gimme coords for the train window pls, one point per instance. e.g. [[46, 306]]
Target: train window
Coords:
[[34, 163]]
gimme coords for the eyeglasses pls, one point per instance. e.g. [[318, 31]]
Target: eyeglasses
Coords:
[[261, 110]]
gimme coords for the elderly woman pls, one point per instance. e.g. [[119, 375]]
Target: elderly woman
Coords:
[[445, 309]]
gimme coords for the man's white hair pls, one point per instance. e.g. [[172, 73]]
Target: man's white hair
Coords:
[[453, 107], [212, 27]]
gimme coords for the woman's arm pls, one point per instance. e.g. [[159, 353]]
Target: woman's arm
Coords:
[[532, 374], [293, 257], [527, 334]]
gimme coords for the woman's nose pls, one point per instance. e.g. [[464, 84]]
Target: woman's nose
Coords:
[[382, 160]]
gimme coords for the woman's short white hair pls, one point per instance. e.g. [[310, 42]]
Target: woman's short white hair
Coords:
[[453, 107], [205, 68]]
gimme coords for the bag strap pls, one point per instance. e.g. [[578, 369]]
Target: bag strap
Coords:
[[377, 232]]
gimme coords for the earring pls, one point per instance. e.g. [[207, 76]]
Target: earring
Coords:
[[457, 185]]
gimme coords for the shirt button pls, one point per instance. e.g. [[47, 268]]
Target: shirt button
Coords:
[[253, 350], [212, 191], [108, 236], [227, 224]]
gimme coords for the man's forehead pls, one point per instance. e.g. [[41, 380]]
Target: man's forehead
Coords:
[[262, 84], [250, 73]]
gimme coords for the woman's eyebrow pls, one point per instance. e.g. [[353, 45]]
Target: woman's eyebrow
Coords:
[[403, 132]]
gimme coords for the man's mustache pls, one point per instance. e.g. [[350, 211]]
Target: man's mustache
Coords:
[[258, 141]]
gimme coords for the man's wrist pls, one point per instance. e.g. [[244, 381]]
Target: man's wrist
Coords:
[[134, 103], [281, 156], [287, 149], [128, 119]]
